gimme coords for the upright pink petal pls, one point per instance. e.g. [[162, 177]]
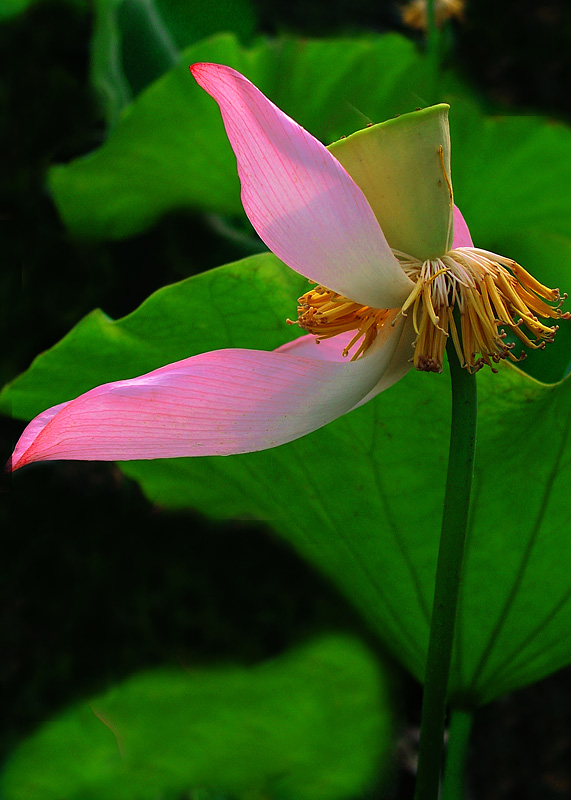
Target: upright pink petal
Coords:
[[462, 236], [299, 198], [218, 403]]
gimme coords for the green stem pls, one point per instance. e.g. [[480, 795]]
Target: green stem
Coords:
[[454, 784], [448, 569]]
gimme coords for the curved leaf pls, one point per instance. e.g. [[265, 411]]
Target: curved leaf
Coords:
[[161, 29], [361, 499], [170, 151], [315, 722]]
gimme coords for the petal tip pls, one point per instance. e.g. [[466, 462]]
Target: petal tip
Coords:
[[199, 69], [202, 70], [15, 463]]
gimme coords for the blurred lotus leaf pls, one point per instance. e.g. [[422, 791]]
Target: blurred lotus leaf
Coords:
[[315, 722]]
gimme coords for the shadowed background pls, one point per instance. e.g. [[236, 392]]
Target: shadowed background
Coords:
[[96, 583]]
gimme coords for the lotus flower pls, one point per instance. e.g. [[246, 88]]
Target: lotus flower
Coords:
[[370, 221]]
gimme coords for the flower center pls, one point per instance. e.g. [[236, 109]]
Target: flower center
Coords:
[[492, 295]]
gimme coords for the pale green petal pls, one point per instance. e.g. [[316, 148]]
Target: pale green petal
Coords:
[[405, 176]]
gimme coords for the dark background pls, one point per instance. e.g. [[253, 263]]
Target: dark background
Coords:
[[95, 582]]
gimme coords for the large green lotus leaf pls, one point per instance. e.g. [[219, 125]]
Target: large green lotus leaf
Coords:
[[195, 315], [315, 722], [362, 498], [170, 150], [510, 173], [124, 30]]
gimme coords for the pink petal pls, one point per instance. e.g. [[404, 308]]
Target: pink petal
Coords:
[[332, 350], [326, 350], [299, 198], [218, 403], [400, 363], [462, 236]]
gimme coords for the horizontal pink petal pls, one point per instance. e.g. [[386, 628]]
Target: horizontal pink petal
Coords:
[[332, 350], [325, 350], [462, 236], [218, 403], [299, 198], [401, 361]]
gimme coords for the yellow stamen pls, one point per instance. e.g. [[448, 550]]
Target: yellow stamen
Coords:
[[490, 292], [428, 304], [325, 314], [411, 298]]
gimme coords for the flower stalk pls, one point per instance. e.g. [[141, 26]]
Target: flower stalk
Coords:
[[448, 572], [454, 783]]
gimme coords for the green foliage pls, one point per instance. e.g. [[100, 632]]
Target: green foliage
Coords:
[[189, 317], [11, 8], [362, 498], [136, 41], [313, 723], [170, 150]]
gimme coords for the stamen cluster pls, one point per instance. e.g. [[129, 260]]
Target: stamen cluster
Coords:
[[492, 295], [325, 314]]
